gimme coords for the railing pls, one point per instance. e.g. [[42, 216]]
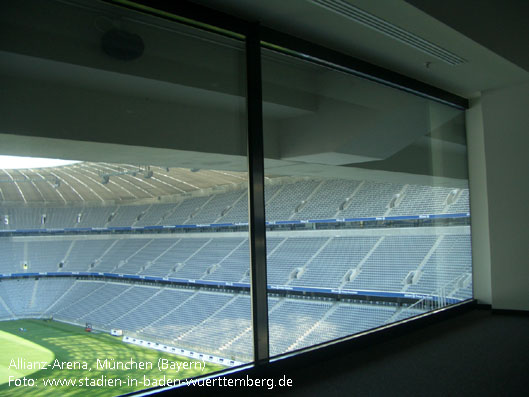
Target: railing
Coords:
[[111, 229], [245, 287], [436, 300]]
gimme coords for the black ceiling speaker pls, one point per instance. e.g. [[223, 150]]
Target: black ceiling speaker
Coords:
[[122, 45]]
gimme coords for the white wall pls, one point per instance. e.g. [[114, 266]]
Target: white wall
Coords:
[[505, 118], [478, 204]]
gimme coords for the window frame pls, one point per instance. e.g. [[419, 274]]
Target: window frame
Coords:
[[257, 37]]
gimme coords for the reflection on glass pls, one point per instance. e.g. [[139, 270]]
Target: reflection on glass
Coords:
[[145, 234], [366, 203]]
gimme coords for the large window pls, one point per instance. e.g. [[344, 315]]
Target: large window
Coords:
[[366, 202], [143, 238], [146, 235]]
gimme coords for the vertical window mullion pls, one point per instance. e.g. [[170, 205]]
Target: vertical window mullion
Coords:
[[256, 202]]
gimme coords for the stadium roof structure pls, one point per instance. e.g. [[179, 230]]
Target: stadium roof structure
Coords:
[[100, 182]]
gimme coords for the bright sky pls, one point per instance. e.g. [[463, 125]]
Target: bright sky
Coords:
[[16, 162]]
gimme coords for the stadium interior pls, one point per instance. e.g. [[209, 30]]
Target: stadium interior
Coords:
[[234, 194], [163, 254]]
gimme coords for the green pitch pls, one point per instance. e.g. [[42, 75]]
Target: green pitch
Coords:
[[70, 355]]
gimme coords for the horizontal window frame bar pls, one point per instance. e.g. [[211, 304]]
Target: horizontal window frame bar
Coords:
[[190, 14], [206, 18], [306, 50]]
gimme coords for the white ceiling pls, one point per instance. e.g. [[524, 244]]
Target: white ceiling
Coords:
[[484, 69]]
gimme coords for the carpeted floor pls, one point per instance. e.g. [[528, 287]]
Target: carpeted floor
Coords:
[[473, 354]]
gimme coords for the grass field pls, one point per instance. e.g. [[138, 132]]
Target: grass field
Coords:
[[57, 344]]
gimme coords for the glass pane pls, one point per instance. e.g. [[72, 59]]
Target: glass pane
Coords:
[[145, 234], [366, 202]]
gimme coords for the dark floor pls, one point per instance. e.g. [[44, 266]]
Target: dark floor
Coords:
[[474, 353]]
